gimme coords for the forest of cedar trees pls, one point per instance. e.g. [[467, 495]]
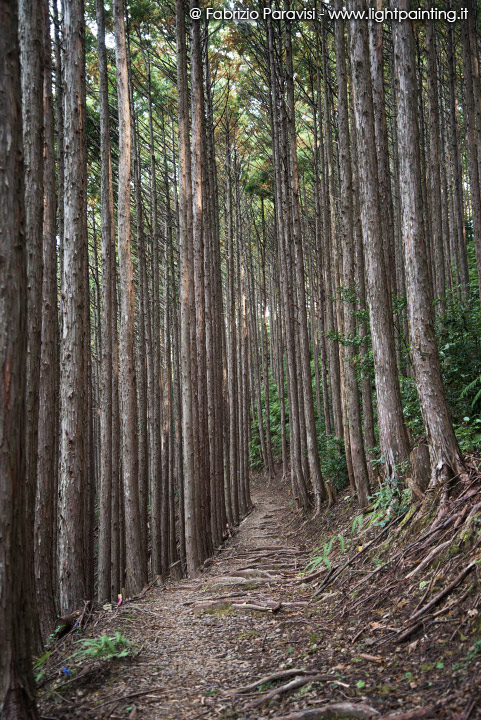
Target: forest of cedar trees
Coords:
[[234, 251]]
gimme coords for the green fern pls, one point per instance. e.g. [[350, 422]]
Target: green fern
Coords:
[[115, 646], [471, 386]]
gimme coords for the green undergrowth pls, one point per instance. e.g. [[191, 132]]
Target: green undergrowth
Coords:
[[458, 334], [64, 666], [386, 505]]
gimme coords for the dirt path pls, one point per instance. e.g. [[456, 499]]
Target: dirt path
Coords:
[[247, 616], [197, 640], [201, 644]]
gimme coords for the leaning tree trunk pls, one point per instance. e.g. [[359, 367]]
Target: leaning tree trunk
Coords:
[[446, 459]]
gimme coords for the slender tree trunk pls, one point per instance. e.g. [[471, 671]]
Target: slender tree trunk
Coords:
[[231, 342], [107, 230], [439, 276], [199, 238], [116, 569], [73, 470], [136, 571], [330, 244], [458, 200], [376, 32], [361, 478], [472, 151], [320, 492], [32, 19], [392, 431], [186, 292], [46, 491]]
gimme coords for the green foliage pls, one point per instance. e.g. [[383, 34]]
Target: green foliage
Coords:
[[333, 460], [468, 434], [459, 339], [474, 651], [357, 524], [320, 557], [105, 647], [39, 666], [255, 453], [412, 411], [390, 500], [317, 560], [259, 182]]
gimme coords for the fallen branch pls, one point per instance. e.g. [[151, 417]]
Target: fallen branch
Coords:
[[129, 696], [332, 712], [272, 607], [292, 685], [280, 675]]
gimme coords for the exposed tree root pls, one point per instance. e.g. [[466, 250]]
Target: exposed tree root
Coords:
[[417, 714], [292, 685], [335, 711], [281, 675]]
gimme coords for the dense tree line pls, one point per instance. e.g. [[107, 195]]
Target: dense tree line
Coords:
[[224, 245]]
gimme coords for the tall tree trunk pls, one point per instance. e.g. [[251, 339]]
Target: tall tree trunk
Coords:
[[446, 459], [186, 294], [32, 19], [458, 200], [136, 570], [231, 340], [16, 678], [116, 570], [392, 431], [472, 150], [439, 276], [107, 230], [199, 238], [47, 475], [330, 240], [376, 32], [73, 470], [320, 492], [361, 478]]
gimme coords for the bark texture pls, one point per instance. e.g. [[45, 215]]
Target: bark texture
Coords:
[[16, 677]]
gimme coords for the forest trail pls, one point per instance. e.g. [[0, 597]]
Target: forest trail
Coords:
[[246, 639], [197, 642]]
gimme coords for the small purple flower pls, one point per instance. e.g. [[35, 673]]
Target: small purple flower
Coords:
[[66, 671]]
